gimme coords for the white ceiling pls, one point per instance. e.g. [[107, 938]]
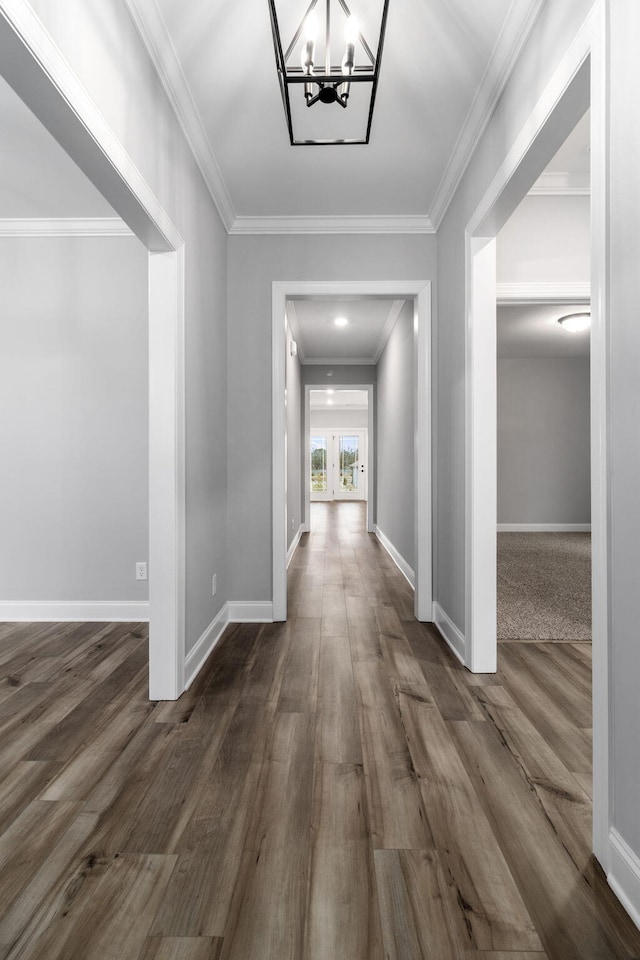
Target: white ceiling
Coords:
[[533, 331], [361, 341], [37, 178], [443, 65]]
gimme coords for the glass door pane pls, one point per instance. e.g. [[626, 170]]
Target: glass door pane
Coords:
[[348, 464], [319, 478]]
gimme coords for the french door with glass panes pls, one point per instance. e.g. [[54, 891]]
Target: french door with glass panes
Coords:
[[338, 464]]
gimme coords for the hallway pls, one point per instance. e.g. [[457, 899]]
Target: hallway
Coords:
[[333, 787]]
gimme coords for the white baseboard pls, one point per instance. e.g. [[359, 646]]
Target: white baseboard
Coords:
[[397, 557], [294, 544], [61, 612], [306, 528], [624, 874], [196, 658], [544, 528], [250, 612], [450, 633]]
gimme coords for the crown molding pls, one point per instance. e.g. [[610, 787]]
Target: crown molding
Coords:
[[522, 293], [64, 227], [154, 34], [561, 185], [244, 226], [394, 312], [514, 34]]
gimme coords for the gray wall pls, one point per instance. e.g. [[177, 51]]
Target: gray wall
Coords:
[[339, 418], [254, 262], [528, 251], [74, 430], [104, 49], [295, 445], [544, 472], [395, 437]]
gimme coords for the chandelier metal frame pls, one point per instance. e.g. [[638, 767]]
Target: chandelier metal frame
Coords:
[[332, 85]]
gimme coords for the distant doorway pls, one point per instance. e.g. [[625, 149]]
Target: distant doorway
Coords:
[[338, 464]]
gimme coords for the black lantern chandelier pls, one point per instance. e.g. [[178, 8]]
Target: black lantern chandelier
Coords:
[[329, 72]]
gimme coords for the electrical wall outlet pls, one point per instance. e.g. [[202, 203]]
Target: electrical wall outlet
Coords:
[[214, 584], [141, 571]]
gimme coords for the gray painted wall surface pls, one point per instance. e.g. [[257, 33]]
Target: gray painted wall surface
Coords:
[[294, 443], [529, 250], [74, 470], [254, 262], [624, 411], [344, 375], [104, 49], [339, 418], [544, 470], [395, 437]]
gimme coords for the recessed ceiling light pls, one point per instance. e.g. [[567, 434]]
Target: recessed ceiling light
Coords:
[[329, 403], [341, 321], [575, 322], [330, 390]]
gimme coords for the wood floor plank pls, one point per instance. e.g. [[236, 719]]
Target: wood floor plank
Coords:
[[491, 914], [342, 915], [337, 733], [416, 922], [181, 948], [397, 818], [299, 687]]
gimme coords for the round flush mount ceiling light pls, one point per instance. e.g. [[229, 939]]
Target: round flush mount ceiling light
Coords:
[[341, 321], [575, 322]]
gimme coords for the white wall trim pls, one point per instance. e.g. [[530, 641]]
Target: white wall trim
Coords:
[[396, 556], [64, 227], [544, 528], [250, 611], [197, 657], [624, 874], [294, 545], [155, 37], [559, 184], [55, 611], [515, 32], [339, 362], [515, 293], [454, 639], [332, 225], [394, 312]]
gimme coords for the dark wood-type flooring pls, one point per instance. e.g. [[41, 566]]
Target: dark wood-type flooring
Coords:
[[333, 787]]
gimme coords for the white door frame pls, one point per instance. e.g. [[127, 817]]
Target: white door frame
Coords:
[[420, 292], [33, 65], [567, 95], [370, 500]]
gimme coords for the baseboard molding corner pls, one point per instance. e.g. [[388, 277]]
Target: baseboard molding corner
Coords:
[[624, 874], [454, 639], [544, 528], [397, 557], [99, 611], [294, 544], [250, 611], [197, 657]]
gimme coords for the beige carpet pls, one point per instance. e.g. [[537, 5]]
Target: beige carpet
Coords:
[[544, 586]]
